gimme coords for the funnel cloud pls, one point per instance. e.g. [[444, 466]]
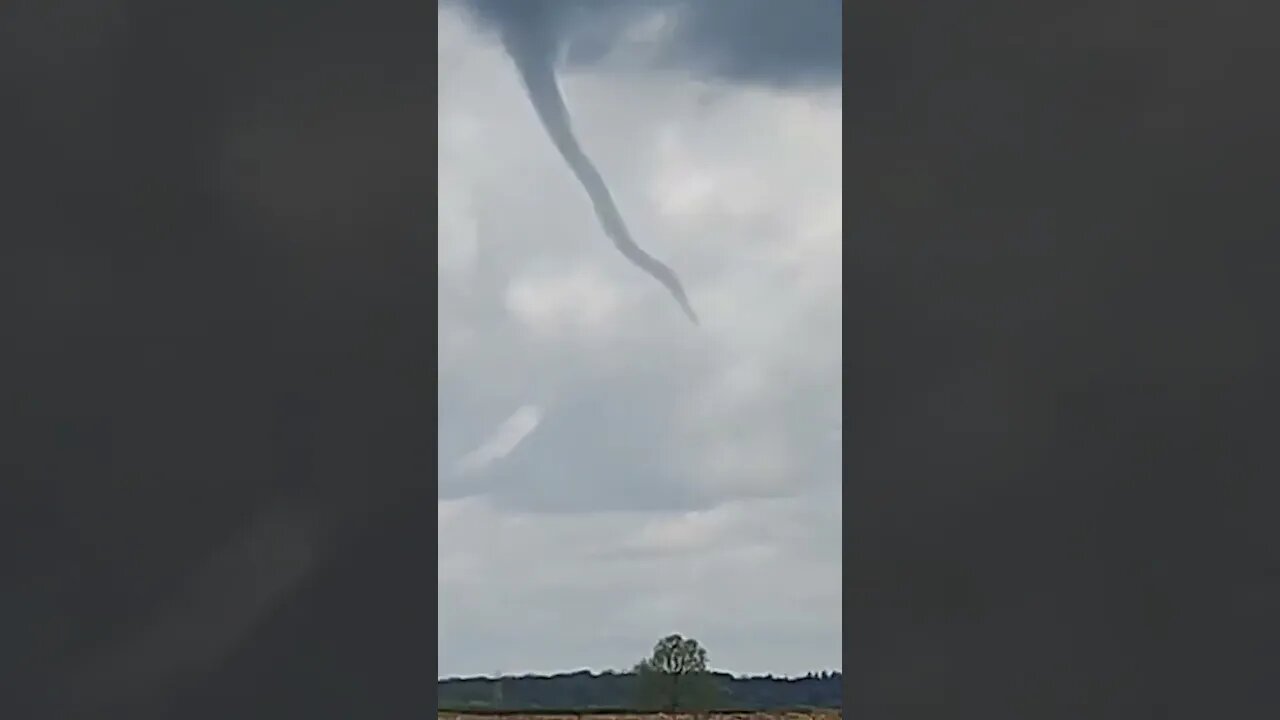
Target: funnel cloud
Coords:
[[527, 39]]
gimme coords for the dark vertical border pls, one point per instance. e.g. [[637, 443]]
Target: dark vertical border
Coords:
[[357, 641], [850, 76], [182, 358], [1062, 466]]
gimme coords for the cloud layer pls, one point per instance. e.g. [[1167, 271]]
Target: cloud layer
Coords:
[[609, 473]]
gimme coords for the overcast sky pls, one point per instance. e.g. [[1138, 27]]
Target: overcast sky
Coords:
[[610, 473]]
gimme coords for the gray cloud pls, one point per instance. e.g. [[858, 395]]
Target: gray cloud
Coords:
[[757, 41]]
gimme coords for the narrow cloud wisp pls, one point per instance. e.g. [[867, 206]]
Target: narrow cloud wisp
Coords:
[[532, 49], [502, 441]]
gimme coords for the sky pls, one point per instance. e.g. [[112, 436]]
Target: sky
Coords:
[[610, 473]]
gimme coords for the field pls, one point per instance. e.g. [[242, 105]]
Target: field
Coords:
[[762, 715]]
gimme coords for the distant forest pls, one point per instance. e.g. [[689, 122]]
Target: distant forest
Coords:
[[587, 690]]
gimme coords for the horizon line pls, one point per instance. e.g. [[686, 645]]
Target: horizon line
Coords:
[[614, 671]]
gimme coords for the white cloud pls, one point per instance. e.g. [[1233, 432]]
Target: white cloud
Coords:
[[567, 591], [579, 300], [681, 478]]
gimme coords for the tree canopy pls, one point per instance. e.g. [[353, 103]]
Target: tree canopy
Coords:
[[676, 677]]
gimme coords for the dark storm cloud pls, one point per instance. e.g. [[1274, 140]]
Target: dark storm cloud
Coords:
[[1063, 232], [782, 43], [760, 41]]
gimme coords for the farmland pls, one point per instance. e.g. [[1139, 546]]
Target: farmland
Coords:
[[609, 693], [755, 715]]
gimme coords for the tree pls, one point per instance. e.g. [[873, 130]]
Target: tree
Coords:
[[675, 677]]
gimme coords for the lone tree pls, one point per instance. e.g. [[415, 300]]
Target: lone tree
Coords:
[[675, 677]]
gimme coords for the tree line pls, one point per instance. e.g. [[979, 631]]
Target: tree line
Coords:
[[674, 677]]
